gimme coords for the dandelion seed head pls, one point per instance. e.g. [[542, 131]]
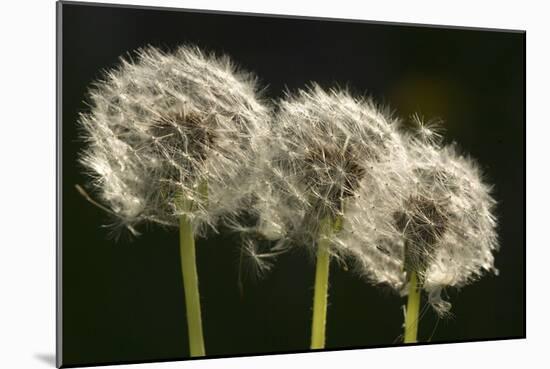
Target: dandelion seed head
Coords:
[[169, 126], [326, 145], [438, 222]]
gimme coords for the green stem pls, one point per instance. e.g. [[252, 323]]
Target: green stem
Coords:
[[320, 295], [191, 285], [413, 306]]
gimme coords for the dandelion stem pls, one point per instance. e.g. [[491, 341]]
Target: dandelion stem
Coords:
[[413, 306], [320, 296], [191, 284]]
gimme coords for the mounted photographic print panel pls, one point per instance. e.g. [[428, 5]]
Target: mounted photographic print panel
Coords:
[[236, 184]]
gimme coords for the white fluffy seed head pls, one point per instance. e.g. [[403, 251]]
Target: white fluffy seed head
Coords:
[[326, 146], [439, 222], [171, 126]]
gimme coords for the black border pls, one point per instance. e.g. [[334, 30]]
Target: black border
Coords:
[[312, 351], [59, 175], [58, 185], [289, 16]]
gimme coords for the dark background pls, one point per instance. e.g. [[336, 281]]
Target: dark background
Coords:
[[123, 301]]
